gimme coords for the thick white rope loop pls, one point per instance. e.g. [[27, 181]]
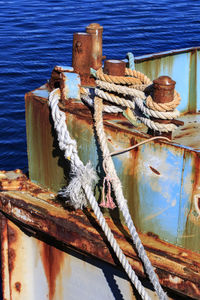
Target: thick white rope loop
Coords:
[[62, 130], [169, 115], [157, 126], [121, 201]]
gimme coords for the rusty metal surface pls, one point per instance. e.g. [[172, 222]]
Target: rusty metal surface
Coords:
[[12, 180], [163, 88], [81, 57], [67, 81], [96, 32], [36, 211], [114, 67], [39, 132]]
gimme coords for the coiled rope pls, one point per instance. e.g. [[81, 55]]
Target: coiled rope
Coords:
[[137, 89], [121, 201]]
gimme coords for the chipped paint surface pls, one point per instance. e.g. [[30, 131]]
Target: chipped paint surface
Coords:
[[39, 255]]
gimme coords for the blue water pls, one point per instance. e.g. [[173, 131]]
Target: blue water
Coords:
[[36, 35]]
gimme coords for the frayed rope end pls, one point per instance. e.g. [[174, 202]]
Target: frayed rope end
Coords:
[[74, 193]]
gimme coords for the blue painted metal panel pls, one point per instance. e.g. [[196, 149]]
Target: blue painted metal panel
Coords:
[[158, 177], [186, 195], [72, 85], [180, 68]]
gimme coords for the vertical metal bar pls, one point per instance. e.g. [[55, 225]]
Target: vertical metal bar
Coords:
[[96, 56], [192, 104], [4, 258]]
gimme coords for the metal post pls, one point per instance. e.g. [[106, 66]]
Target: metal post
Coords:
[[81, 57], [163, 89], [114, 67], [96, 32], [163, 92]]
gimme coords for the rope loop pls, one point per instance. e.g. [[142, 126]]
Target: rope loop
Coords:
[[137, 89]]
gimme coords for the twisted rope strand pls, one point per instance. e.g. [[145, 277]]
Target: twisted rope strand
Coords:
[[114, 99], [168, 106], [169, 115], [120, 89], [121, 201], [117, 79], [106, 108], [131, 60], [143, 78]]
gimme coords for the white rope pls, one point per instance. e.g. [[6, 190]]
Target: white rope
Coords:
[[80, 174], [115, 99], [124, 90], [84, 191], [127, 103], [106, 108], [121, 201], [166, 115], [157, 126]]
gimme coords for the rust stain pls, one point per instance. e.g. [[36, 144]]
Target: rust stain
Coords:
[[12, 180], [126, 124], [181, 286], [18, 286], [11, 259], [12, 239], [198, 203], [154, 170], [4, 257], [192, 229], [53, 260], [155, 236]]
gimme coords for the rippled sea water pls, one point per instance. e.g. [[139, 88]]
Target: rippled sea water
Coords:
[[36, 35]]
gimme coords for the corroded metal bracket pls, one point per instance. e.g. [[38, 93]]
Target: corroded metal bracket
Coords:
[[68, 82]]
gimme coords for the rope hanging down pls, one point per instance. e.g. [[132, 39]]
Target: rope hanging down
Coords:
[[80, 189]]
